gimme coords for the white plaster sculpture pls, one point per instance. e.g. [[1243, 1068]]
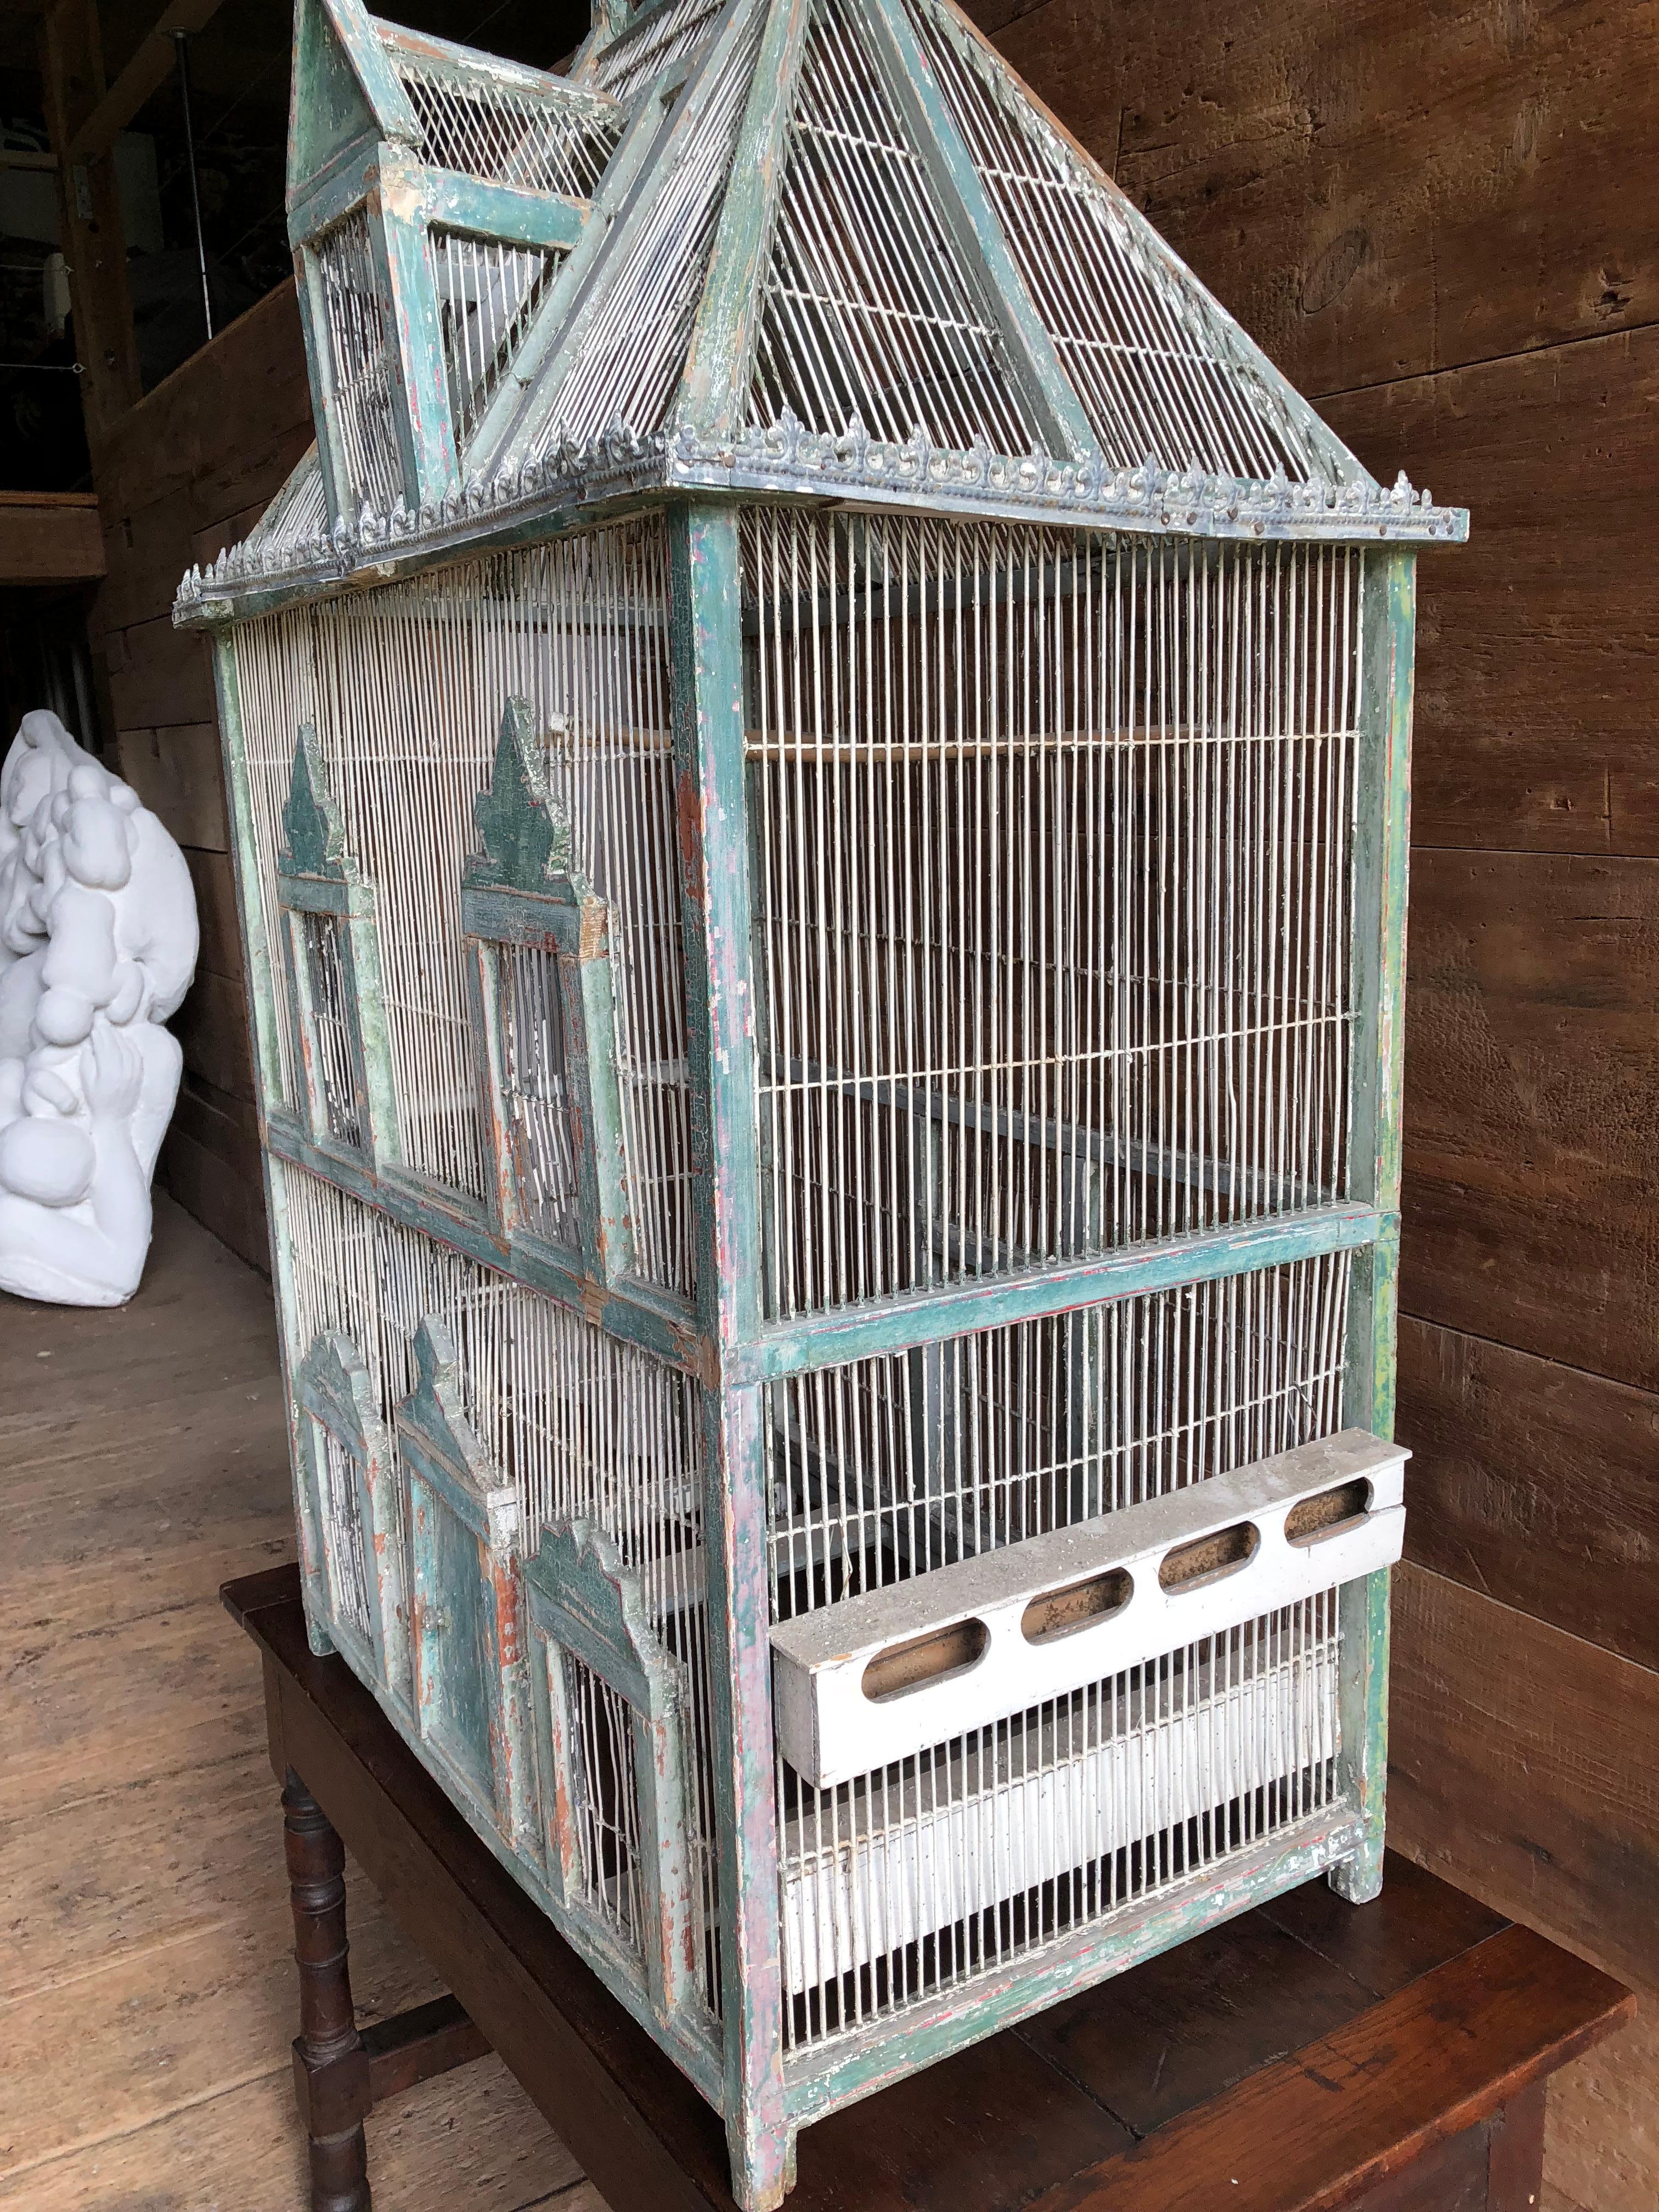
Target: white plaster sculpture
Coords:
[[98, 943]]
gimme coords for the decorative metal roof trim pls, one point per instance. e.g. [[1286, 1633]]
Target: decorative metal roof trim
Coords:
[[787, 460]]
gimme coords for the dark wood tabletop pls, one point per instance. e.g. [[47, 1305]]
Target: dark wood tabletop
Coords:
[[1307, 2056]]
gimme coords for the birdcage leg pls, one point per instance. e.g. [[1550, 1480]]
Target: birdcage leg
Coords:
[[330, 2067]]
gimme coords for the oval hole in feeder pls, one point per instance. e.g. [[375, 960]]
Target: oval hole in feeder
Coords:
[[1079, 1605], [1331, 1511], [938, 1657], [1207, 1559]]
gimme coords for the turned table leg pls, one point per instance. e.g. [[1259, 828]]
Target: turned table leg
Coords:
[[330, 2067]]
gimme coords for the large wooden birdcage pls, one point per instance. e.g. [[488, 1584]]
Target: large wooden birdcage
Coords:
[[818, 754]]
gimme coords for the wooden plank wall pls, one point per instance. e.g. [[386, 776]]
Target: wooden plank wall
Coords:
[[1436, 217], [184, 473]]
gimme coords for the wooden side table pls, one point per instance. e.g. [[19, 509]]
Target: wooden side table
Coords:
[[1306, 2056]]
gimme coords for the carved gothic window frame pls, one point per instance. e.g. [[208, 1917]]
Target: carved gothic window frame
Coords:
[[522, 889], [469, 1678], [317, 877], [334, 1396], [582, 1600]]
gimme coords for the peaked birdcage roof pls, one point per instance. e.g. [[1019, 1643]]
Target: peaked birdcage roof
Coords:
[[831, 246]]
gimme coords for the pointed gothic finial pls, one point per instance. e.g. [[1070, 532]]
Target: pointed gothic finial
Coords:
[[524, 833], [312, 829]]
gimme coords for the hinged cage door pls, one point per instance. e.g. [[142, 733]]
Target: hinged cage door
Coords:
[[353, 1563], [330, 953], [612, 1760], [469, 1693], [544, 1015]]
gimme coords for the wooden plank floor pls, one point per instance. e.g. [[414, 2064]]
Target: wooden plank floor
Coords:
[[147, 1989]]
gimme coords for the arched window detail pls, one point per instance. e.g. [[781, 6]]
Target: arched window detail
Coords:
[[352, 1527], [611, 1762], [470, 1704], [331, 952], [540, 978]]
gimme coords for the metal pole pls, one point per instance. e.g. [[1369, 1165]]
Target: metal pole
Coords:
[[180, 41]]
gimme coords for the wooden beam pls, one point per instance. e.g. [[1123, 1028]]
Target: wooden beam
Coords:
[[149, 69], [72, 83], [50, 537]]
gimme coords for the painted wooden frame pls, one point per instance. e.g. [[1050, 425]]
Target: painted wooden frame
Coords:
[[521, 891], [583, 1601], [334, 1397], [354, 148], [325, 899], [470, 1694]]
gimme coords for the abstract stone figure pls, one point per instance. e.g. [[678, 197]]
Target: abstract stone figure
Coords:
[[98, 943]]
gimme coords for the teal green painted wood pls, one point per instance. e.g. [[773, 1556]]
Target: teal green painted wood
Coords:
[[331, 951], [398, 225], [344, 1446], [517, 218], [583, 1601], [847, 2072], [630, 1310], [343, 89], [521, 891], [1382, 864], [879, 1326], [976, 231], [329, 197], [471, 1693], [714, 391], [715, 926]]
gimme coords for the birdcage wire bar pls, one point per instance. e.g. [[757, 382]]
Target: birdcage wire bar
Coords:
[[488, 293], [644, 48], [536, 1087], [628, 368], [503, 132], [938, 1870], [606, 1800], [585, 1426], [1052, 866], [406, 691], [343, 1525], [331, 1026], [868, 310], [942, 1867], [356, 318]]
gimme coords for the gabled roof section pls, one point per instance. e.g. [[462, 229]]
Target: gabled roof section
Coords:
[[1160, 366], [344, 90], [829, 248]]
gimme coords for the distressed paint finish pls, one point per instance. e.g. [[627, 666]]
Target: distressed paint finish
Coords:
[[581, 1599], [492, 1728], [317, 875], [1382, 861], [453, 201], [714, 391], [973, 226], [470, 1695], [522, 889], [333, 1391], [637, 1312], [850, 2068], [343, 89], [706, 573], [897, 1324], [398, 228]]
